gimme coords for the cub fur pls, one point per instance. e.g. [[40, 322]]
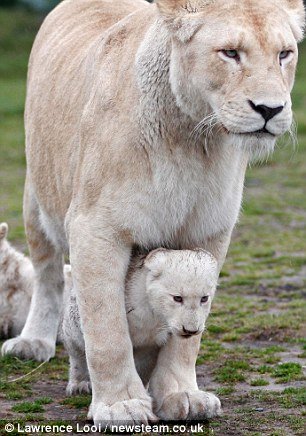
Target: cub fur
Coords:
[[16, 287], [168, 292], [17, 283]]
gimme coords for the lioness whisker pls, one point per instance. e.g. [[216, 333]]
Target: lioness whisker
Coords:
[[293, 134], [204, 127]]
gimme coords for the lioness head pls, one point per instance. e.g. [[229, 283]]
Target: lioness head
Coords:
[[180, 286], [235, 61]]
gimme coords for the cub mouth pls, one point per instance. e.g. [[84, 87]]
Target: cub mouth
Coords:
[[186, 335]]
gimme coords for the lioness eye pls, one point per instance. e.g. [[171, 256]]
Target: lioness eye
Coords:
[[284, 54], [233, 54], [178, 299], [204, 299]]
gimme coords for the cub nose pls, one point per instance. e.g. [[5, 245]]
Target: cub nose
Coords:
[[190, 332], [266, 112]]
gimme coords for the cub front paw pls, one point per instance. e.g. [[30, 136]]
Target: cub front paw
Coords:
[[189, 405], [29, 349], [128, 412], [76, 388]]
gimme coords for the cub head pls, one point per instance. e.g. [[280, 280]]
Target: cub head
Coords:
[[233, 64], [180, 286]]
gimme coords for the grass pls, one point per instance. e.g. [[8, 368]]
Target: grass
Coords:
[[287, 372], [259, 382], [78, 402], [17, 30], [31, 407], [16, 378], [257, 322], [231, 372]]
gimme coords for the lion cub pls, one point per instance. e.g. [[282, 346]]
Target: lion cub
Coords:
[[168, 292], [16, 287]]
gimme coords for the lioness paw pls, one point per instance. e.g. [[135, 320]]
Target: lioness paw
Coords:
[[128, 412], [28, 349], [189, 405], [76, 388], [203, 405]]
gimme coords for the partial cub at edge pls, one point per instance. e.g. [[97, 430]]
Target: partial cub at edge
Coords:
[[16, 287]]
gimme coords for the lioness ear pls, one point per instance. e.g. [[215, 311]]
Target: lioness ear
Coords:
[[296, 11], [176, 7], [181, 16]]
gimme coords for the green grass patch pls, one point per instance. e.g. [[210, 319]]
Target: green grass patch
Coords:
[[265, 369], [232, 371], [216, 329], [28, 407], [32, 407], [259, 382], [78, 401], [225, 390], [286, 372]]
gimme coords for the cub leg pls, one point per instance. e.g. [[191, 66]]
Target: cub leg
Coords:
[[99, 260], [145, 361], [173, 384], [38, 337], [72, 336], [79, 382]]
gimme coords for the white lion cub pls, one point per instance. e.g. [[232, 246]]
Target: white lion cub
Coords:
[[16, 287], [168, 292]]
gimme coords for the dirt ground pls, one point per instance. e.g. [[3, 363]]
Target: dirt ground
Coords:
[[246, 410], [272, 406]]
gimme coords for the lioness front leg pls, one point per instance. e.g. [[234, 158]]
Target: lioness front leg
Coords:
[[99, 260], [173, 384]]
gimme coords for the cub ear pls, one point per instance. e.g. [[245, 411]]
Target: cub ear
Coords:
[[3, 230], [208, 260], [296, 11], [155, 261]]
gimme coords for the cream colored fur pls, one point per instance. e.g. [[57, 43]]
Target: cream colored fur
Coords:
[[153, 314], [139, 128], [16, 287]]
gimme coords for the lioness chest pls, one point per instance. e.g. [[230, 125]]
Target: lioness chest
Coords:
[[185, 193]]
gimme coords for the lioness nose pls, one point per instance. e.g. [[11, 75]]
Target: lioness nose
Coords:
[[190, 332], [266, 112]]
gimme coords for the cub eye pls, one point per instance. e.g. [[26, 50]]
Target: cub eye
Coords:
[[284, 54], [204, 299], [178, 299], [233, 54]]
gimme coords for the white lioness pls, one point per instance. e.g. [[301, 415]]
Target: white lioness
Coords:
[[16, 287], [169, 292], [140, 121]]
